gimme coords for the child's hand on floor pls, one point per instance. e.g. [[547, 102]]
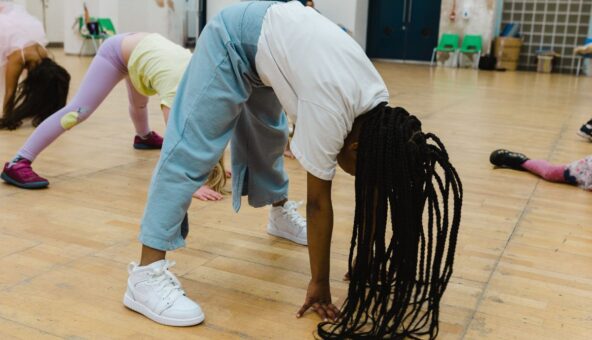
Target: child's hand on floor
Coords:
[[205, 193], [288, 153], [318, 298]]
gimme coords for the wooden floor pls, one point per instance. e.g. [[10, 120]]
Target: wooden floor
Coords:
[[523, 263]]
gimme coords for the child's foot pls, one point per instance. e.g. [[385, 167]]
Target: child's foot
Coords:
[[507, 159], [21, 174], [586, 130], [286, 222], [156, 293], [149, 142]]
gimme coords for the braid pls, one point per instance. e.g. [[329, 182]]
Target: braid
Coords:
[[395, 289]]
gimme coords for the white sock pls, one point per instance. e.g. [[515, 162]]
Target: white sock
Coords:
[[14, 160]]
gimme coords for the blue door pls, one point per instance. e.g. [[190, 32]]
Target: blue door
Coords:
[[403, 29], [423, 24], [386, 34]]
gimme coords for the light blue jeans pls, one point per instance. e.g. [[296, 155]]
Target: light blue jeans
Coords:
[[220, 97]]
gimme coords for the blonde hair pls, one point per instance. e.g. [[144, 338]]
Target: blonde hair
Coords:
[[217, 179]]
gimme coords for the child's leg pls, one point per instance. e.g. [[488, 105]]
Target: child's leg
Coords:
[[218, 80], [208, 103], [288, 152], [138, 109], [546, 170], [102, 75], [258, 164], [257, 151]]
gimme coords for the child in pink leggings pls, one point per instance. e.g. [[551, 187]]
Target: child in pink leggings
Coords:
[[150, 64], [577, 173]]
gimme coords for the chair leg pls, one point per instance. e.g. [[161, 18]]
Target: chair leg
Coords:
[[433, 56], [476, 62], [95, 45], [82, 47], [579, 67]]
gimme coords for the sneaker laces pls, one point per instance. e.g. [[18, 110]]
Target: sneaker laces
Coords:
[[166, 283], [291, 211], [24, 169]]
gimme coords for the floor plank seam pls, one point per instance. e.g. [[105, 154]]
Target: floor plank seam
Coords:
[[21, 250], [29, 326]]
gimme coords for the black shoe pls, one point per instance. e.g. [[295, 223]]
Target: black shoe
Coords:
[[586, 130], [507, 159]]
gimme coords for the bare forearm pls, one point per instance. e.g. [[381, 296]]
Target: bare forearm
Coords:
[[14, 68], [8, 92], [320, 229], [319, 211], [165, 113]]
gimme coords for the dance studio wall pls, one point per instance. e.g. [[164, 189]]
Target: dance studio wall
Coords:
[[481, 18], [60, 18], [54, 14], [127, 16]]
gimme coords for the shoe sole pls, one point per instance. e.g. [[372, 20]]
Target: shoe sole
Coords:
[[146, 147], [282, 234], [132, 304], [33, 185], [587, 136]]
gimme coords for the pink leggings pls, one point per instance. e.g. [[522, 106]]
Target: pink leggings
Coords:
[[548, 171], [106, 70]]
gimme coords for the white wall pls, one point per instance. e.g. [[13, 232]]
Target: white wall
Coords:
[[351, 14], [361, 25], [141, 16], [144, 15], [482, 19], [215, 6], [54, 14], [127, 16]]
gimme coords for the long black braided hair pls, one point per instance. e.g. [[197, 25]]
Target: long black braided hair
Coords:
[[403, 175], [43, 92]]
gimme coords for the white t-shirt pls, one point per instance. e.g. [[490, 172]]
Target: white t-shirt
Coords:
[[321, 76]]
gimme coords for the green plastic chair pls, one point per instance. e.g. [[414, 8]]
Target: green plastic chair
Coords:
[[448, 44], [472, 44], [106, 29]]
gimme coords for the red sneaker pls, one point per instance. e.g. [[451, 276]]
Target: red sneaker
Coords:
[[150, 142], [22, 175]]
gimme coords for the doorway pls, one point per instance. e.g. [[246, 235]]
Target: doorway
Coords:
[[403, 29]]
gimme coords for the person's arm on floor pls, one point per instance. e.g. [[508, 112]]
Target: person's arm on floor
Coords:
[[319, 213], [14, 68], [166, 111]]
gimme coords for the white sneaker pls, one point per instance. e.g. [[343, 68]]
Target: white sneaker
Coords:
[[156, 293], [286, 222]]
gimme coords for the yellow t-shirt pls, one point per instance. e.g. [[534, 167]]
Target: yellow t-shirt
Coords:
[[156, 66]]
